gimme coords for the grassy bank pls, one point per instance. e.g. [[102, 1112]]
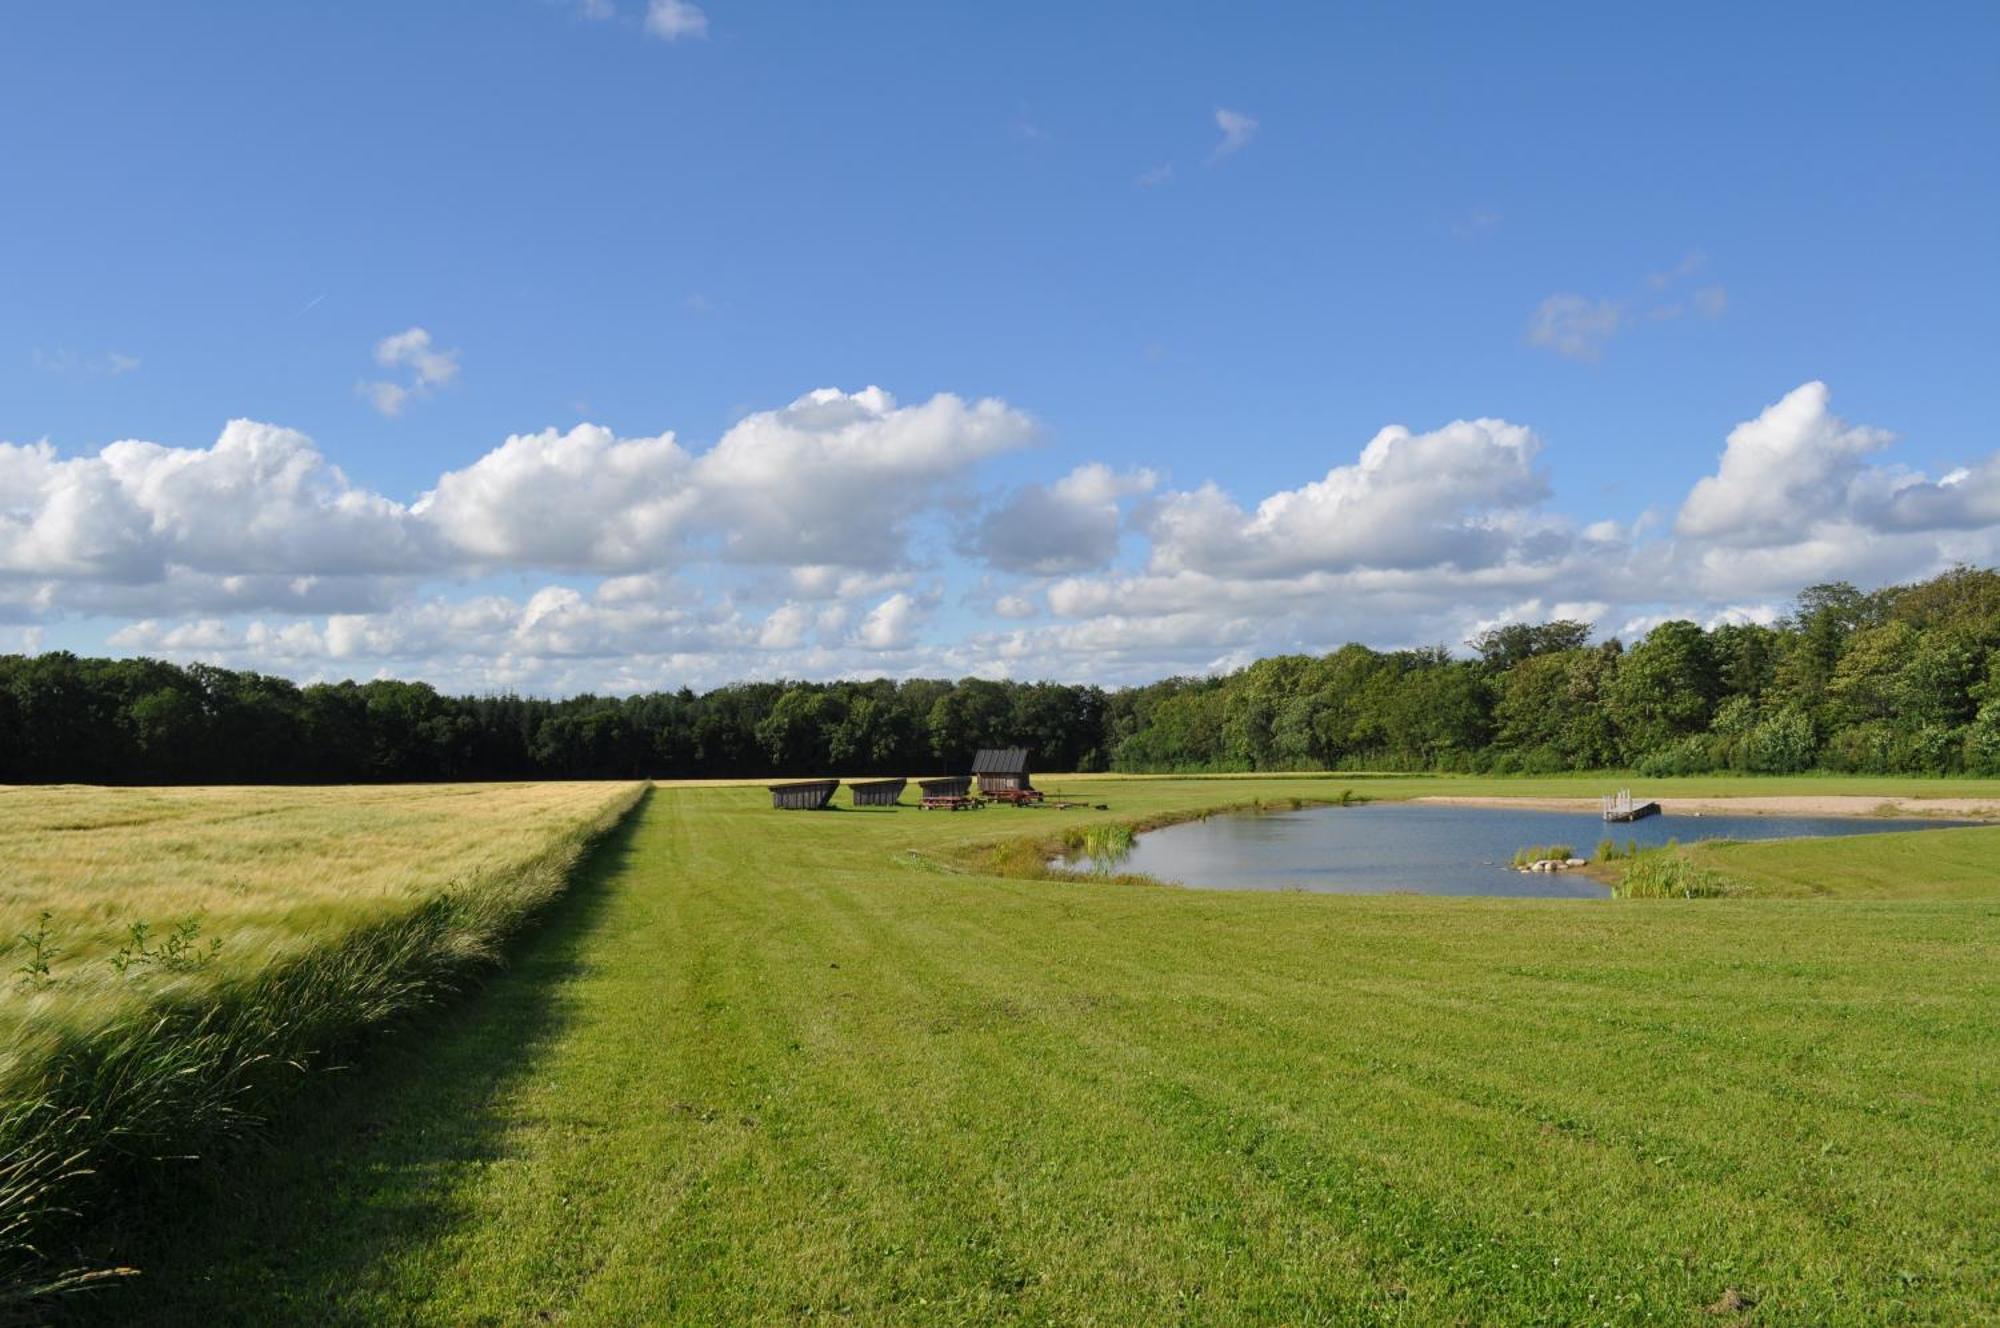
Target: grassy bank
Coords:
[[194, 951], [783, 1067], [1927, 864]]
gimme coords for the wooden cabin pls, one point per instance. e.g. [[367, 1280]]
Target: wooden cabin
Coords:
[[1001, 770], [878, 792], [808, 795]]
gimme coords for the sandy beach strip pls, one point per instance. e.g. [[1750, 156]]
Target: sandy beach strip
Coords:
[[1758, 804]]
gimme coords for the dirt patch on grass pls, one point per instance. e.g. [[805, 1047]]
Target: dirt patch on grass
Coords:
[[1731, 1301]]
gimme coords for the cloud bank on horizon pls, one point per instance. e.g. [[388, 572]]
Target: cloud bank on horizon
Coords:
[[847, 533]]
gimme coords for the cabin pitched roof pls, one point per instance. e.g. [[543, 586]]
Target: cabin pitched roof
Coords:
[[1001, 761]]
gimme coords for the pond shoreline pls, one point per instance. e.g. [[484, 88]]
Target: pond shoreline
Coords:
[[1464, 846], [1817, 804]]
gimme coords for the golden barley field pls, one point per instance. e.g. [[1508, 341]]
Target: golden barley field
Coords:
[[261, 872], [178, 961]]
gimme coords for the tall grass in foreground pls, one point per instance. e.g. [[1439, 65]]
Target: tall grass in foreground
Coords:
[[1670, 874], [188, 1067], [271, 872]]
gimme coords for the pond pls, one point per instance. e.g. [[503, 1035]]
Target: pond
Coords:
[[1376, 848]]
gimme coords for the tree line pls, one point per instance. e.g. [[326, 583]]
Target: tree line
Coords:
[[1905, 679]]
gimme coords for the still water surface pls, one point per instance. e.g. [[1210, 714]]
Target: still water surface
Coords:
[[1374, 848]]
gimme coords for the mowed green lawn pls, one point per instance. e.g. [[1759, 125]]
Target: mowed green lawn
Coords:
[[770, 1068], [1930, 864]]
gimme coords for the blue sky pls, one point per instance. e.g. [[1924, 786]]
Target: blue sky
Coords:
[[1176, 245]]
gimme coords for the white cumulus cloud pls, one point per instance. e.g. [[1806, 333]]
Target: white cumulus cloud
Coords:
[[424, 366], [891, 624], [1781, 473], [1067, 526], [835, 478], [786, 627], [832, 482], [802, 543], [581, 499], [1237, 131], [261, 500], [675, 20], [1798, 497], [1452, 496]]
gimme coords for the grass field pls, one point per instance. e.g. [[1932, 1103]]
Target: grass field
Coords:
[[1931, 864], [762, 1067], [177, 958]]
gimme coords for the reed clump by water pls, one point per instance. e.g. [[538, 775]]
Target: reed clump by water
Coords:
[[1609, 850], [127, 1044], [1669, 873], [1106, 845]]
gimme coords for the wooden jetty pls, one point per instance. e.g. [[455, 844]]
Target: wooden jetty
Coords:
[[877, 792], [1620, 807], [809, 795]]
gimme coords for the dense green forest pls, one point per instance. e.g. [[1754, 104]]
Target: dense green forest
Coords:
[[1903, 679]]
